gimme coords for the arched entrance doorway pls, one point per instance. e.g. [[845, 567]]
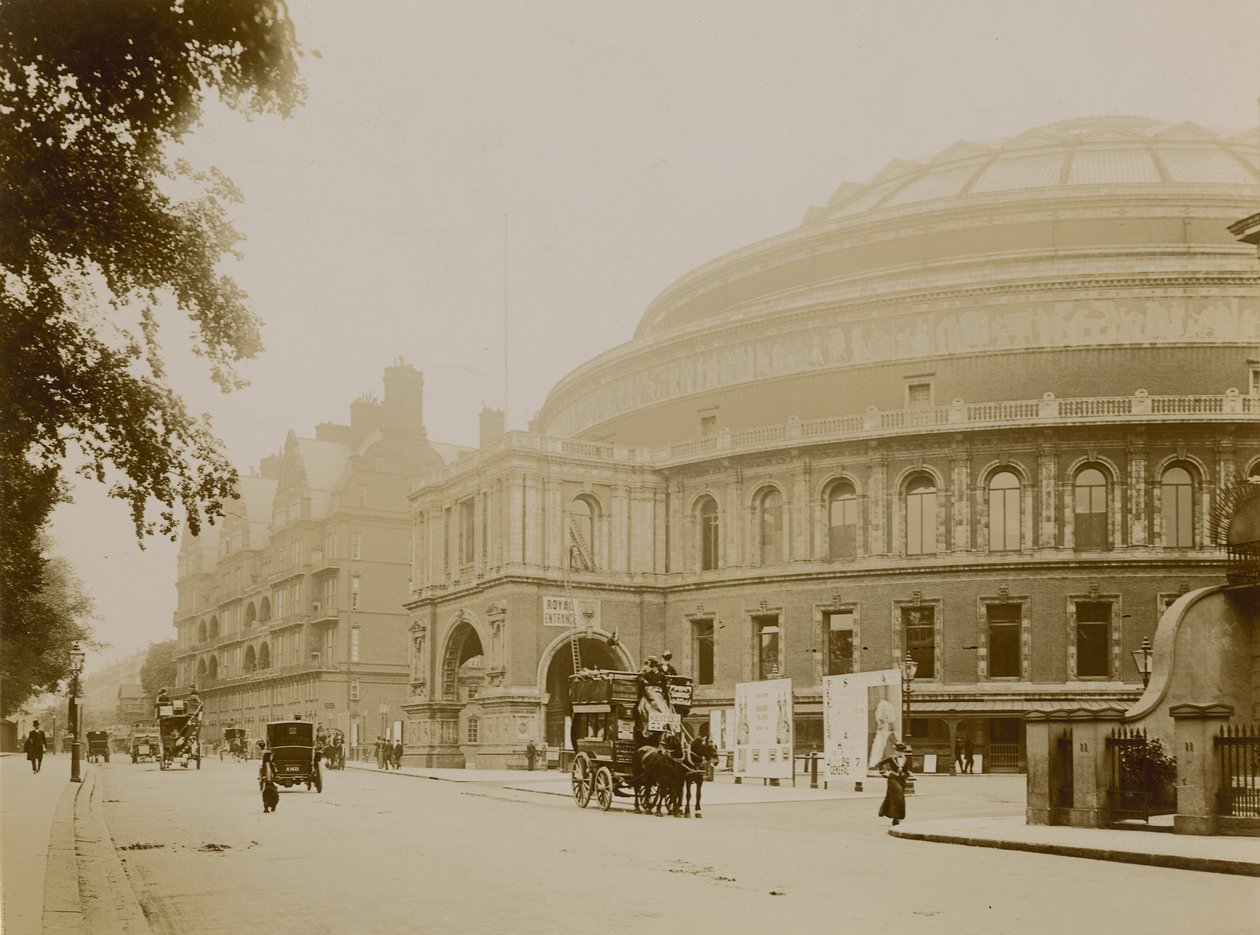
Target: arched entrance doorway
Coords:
[[596, 653], [463, 668]]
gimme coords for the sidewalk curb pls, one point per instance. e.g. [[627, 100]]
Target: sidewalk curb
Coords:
[[107, 902], [1169, 861], [63, 912]]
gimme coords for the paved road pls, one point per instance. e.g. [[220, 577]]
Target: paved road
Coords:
[[385, 853]]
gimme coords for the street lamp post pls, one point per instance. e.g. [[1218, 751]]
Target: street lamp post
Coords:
[[1142, 659], [908, 669], [76, 666]]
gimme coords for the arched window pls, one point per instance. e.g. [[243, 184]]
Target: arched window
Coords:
[[842, 509], [251, 615], [921, 516], [251, 659], [264, 610], [1004, 512], [214, 628], [1176, 506], [212, 670], [1090, 503], [264, 656], [707, 521], [201, 632], [770, 526], [201, 669], [581, 535]]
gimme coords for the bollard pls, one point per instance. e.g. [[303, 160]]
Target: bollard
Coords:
[[813, 770]]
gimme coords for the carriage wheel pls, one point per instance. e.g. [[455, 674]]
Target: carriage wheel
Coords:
[[604, 788], [319, 780], [581, 780]]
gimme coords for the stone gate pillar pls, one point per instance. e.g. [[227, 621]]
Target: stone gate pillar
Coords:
[[1198, 770]]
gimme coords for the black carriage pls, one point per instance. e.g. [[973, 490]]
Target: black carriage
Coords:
[[609, 725], [179, 734], [98, 746], [236, 742], [291, 756]]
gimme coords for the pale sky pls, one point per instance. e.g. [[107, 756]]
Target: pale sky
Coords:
[[626, 143]]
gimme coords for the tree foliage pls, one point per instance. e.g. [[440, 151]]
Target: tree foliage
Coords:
[[94, 245], [158, 670], [35, 641], [92, 242]]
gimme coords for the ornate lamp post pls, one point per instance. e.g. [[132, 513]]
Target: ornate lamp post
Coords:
[[1142, 659], [77, 656], [908, 669]]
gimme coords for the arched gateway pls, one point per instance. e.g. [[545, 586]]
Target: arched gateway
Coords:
[[597, 651]]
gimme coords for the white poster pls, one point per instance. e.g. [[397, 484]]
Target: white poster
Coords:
[[717, 728], [763, 729], [861, 721]]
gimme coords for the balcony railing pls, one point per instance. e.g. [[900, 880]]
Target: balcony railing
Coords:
[[874, 423]]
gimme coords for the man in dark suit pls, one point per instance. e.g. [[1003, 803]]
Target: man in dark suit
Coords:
[[36, 743]]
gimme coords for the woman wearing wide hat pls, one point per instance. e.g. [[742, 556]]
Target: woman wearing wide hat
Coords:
[[896, 769]]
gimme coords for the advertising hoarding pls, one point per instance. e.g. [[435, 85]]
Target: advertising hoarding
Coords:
[[763, 729], [861, 721]]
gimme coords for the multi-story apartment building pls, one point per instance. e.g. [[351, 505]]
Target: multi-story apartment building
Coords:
[[293, 604], [977, 410], [103, 693]]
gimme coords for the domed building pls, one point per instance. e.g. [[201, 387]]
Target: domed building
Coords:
[[976, 410]]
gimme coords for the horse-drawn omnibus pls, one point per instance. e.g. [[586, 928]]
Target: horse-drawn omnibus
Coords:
[[629, 740], [179, 733]]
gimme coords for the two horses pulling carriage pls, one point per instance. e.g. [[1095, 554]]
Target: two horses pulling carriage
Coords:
[[332, 746], [631, 742]]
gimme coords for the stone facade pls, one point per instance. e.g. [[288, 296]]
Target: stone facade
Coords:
[[977, 409], [293, 604]]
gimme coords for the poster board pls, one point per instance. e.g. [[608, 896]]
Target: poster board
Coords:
[[763, 729], [861, 721]]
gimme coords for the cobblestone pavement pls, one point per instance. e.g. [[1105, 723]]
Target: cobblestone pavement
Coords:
[[385, 853]]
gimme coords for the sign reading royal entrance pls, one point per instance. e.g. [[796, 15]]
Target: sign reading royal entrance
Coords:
[[763, 729], [566, 612]]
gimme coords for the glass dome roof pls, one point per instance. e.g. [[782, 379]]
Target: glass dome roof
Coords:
[[1103, 151]]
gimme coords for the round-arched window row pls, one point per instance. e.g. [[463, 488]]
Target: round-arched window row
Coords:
[[1174, 515]]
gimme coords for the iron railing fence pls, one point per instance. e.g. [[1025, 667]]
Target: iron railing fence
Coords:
[[1237, 749], [1139, 785]]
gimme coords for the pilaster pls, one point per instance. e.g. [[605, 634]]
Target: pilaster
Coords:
[[1137, 516], [619, 547], [960, 502], [1048, 471]]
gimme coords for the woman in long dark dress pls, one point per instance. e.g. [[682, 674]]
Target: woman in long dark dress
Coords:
[[896, 769]]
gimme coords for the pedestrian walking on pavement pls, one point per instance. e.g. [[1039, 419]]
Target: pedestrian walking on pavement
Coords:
[[969, 755], [36, 744], [896, 769], [958, 755], [398, 752], [380, 753]]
